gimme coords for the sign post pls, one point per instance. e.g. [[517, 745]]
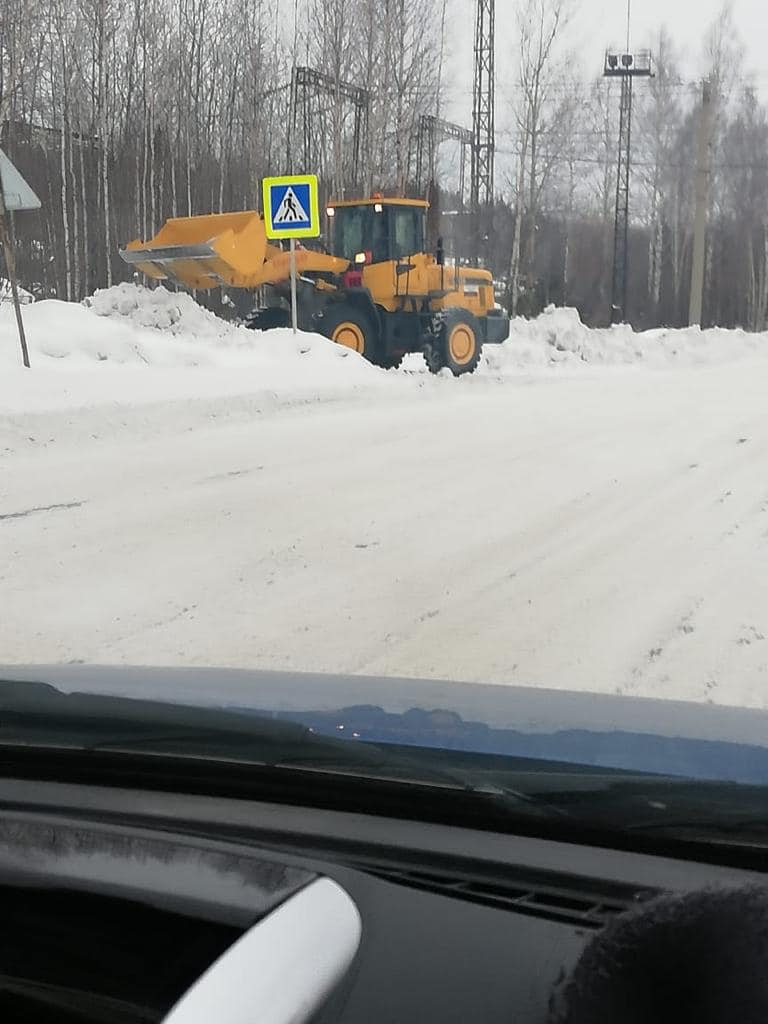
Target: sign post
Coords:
[[291, 211], [15, 194], [294, 303]]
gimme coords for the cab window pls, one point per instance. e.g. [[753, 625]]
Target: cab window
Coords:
[[359, 229], [351, 231], [407, 231]]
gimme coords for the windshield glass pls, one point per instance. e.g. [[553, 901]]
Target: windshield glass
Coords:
[[407, 231], [410, 359], [361, 229], [351, 231]]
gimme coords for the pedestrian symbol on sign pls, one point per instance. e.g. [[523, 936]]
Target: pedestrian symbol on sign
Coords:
[[290, 210]]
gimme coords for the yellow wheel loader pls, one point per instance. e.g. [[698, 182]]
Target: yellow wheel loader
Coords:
[[377, 290]]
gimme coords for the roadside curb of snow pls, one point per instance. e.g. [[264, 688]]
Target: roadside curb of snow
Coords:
[[558, 338]]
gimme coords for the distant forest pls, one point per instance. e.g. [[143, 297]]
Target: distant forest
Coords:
[[121, 113]]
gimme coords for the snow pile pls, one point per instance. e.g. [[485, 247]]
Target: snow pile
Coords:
[[559, 338], [71, 335], [158, 308], [155, 327]]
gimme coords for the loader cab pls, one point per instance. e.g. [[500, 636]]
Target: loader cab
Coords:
[[377, 230]]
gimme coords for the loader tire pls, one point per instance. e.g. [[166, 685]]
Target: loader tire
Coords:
[[393, 362], [347, 325], [453, 342], [434, 355], [267, 319]]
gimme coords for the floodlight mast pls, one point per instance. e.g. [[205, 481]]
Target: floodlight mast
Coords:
[[627, 66]]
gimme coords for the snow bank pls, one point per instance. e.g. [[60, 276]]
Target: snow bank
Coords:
[[559, 338], [132, 345], [155, 327], [130, 327]]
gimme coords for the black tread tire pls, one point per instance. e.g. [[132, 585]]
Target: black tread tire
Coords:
[[342, 312], [434, 352], [437, 354], [391, 362], [268, 319]]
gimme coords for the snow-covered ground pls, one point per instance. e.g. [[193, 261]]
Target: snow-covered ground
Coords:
[[590, 510]]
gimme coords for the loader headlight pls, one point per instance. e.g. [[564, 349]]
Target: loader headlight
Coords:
[[331, 211]]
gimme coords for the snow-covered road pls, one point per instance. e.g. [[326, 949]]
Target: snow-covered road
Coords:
[[605, 530]]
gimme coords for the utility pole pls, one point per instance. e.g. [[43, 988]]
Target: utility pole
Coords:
[[438, 91], [621, 219], [627, 67], [702, 199], [483, 121]]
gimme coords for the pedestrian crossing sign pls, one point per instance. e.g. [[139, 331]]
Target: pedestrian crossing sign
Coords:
[[291, 208]]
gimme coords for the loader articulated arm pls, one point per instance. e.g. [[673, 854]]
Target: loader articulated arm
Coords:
[[221, 249]]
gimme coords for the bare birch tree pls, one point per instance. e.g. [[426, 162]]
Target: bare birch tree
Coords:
[[539, 110]]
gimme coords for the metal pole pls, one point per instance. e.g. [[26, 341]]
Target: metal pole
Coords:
[[628, 159], [292, 115], [483, 124], [294, 310], [420, 143], [621, 221], [10, 263], [702, 193], [462, 175]]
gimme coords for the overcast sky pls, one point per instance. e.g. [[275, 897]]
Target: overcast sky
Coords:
[[598, 24], [603, 22]]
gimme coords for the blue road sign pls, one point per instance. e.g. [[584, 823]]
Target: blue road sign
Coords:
[[291, 207]]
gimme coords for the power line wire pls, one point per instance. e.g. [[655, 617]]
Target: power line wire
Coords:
[[608, 159]]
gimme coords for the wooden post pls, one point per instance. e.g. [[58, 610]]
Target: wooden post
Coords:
[[10, 262]]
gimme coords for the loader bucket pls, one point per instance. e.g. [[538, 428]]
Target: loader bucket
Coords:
[[204, 252]]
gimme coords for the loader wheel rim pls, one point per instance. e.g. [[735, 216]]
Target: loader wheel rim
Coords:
[[351, 335], [461, 344]]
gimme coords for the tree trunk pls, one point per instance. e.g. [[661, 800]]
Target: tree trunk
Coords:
[[84, 207], [65, 211], [514, 270], [105, 197]]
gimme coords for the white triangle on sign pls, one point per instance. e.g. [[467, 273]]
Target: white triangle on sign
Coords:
[[17, 195], [290, 210]]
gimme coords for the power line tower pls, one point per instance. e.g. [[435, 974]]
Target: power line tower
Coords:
[[314, 97], [433, 131], [627, 67], [483, 120]]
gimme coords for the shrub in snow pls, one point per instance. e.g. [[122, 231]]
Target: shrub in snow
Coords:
[[6, 292]]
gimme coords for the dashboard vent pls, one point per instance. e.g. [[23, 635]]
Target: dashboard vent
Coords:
[[556, 903]]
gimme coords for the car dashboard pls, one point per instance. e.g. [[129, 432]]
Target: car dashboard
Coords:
[[124, 905]]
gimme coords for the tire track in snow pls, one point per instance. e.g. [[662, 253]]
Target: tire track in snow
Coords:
[[40, 508]]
